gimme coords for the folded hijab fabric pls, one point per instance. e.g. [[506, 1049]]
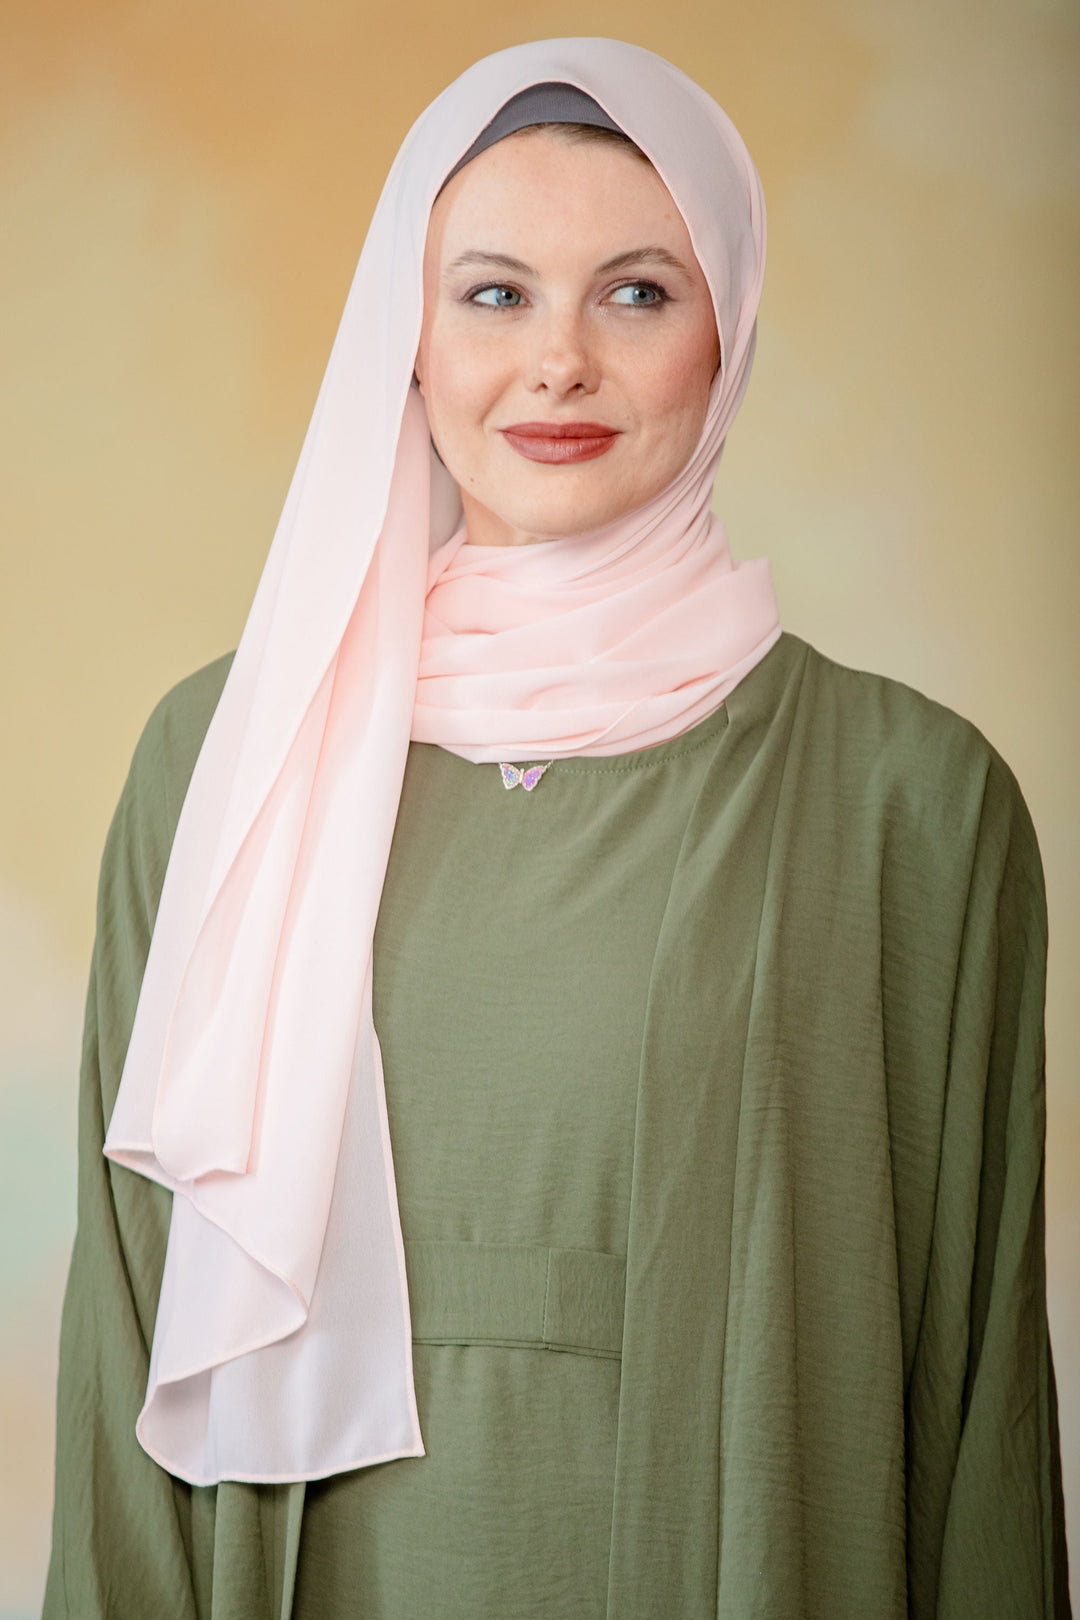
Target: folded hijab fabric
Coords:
[[253, 1084]]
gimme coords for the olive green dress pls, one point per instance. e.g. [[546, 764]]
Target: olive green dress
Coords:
[[715, 1085], [512, 959]]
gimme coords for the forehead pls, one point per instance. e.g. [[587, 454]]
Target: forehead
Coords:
[[548, 188]]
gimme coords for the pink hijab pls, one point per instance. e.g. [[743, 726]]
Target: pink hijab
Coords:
[[253, 1084]]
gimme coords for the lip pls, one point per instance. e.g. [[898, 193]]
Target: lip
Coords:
[[560, 442]]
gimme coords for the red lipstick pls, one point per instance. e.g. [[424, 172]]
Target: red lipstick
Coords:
[[560, 442]]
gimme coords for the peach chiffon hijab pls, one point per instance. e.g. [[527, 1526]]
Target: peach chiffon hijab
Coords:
[[253, 1083]]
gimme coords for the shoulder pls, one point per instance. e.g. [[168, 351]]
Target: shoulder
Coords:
[[143, 826], [915, 786], [915, 757], [173, 734], [886, 713]]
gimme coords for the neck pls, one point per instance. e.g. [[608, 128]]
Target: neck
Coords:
[[485, 528]]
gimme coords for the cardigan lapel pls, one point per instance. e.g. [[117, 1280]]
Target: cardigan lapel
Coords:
[[760, 1452], [680, 1229]]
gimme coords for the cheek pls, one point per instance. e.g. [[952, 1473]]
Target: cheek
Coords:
[[464, 376], [674, 389]]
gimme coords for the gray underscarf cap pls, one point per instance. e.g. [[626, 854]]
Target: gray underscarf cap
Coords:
[[549, 103]]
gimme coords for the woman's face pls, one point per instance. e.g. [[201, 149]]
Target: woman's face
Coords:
[[561, 289]]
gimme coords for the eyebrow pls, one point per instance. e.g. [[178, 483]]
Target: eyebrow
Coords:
[[621, 261]]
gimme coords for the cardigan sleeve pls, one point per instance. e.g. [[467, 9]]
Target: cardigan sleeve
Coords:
[[986, 1522], [119, 1546]]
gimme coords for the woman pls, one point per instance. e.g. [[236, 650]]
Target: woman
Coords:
[[592, 1041]]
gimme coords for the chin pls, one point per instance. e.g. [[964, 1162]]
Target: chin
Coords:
[[547, 528], [561, 519]]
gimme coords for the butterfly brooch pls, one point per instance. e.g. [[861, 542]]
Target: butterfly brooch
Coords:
[[513, 774]]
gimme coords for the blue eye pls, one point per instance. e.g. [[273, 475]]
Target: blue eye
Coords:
[[501, 300], [657, 295]]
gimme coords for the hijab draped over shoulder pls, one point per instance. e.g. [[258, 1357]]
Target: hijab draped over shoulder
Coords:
[[253, 1084]]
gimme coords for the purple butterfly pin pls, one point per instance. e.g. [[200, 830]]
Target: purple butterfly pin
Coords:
[[513, 774]]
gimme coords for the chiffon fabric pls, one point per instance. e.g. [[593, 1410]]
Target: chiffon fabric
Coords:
[[252, 1085]]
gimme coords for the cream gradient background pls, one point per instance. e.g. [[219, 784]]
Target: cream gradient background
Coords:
[[184, 191]]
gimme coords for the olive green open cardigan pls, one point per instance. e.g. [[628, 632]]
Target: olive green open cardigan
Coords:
[[834, 1348]]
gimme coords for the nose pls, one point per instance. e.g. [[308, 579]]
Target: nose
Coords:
[[562, 360]]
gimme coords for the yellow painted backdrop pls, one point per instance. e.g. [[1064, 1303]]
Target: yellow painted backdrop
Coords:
[[184, 190]]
